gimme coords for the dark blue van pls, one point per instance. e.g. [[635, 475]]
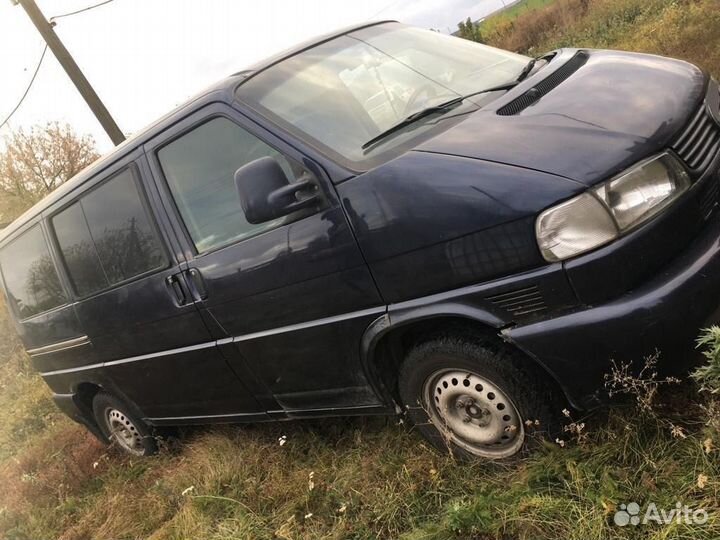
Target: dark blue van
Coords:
[[386, 219]]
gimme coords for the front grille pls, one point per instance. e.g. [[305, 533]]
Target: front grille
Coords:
[[521, 301], [709, 197], [699, 142]]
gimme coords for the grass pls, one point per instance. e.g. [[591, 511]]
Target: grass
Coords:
[[687, 29], [358, 478], [375, 478], [511, 13]]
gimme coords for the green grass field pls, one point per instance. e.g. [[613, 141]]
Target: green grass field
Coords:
[[512, 12], [375, 478]]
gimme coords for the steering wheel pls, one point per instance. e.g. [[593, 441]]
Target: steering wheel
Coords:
[[430, 91]]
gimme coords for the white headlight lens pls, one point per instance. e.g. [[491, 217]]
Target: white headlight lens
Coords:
[[574, 227], [595, 218], [645, 190]]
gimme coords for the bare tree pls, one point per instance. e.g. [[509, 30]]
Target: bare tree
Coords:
[[34, 163]]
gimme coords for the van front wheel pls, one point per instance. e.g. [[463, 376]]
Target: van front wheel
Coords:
[[477, 399], [131, 434]]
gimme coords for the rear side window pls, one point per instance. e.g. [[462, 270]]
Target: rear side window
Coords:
[[199, 168], [107, 236], [78, 251], [31, 279]]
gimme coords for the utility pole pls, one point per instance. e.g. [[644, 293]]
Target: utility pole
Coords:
[[71, 68]]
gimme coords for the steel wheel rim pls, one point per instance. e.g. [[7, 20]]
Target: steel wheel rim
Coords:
[[473, 413], [124, 432]]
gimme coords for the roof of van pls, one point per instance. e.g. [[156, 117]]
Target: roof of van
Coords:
[[223, 90]]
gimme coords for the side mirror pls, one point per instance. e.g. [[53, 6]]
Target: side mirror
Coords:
[[266, 193]]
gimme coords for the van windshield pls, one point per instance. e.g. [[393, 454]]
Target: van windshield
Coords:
[[346, 91]]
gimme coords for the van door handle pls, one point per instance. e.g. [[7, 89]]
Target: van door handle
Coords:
[[176, 289], [198, 283]]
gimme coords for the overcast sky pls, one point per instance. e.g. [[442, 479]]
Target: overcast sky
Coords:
[[145, 56]]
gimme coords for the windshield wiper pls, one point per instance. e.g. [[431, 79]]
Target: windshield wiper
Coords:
[[509, 86], [414, 117], [526, 70], [448, 104]]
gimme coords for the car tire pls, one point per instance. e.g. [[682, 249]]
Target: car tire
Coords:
[[122, 427], [478, 399]]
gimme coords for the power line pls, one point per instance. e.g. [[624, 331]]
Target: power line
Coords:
[[72, 69], [27, 90], [76, 12]]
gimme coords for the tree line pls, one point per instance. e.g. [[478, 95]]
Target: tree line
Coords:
[[34, 162]]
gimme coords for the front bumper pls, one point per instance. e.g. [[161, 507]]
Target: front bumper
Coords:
[[665, 314]]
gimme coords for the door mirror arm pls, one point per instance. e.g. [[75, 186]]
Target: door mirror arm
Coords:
[[280, 196]]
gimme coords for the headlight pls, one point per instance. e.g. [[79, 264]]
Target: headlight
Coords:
[[605, 212], [642, 192]]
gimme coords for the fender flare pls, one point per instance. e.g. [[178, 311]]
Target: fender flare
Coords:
[[392, 320]]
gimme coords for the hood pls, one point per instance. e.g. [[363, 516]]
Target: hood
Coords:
[[615, 110]]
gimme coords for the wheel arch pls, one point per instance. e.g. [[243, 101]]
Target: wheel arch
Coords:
[[389, 338], [83, 396]]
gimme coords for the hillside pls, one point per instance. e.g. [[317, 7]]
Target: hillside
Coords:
[[687, 29]]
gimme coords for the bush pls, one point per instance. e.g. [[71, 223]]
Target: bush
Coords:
[[534, 27], [708, 375]]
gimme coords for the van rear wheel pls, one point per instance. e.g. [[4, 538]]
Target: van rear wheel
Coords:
[[130, 433], [477, 399]]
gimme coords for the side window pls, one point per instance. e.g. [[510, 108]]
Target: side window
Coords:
[[78, 251], [199, 168], [31, 279], [107, 236]]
